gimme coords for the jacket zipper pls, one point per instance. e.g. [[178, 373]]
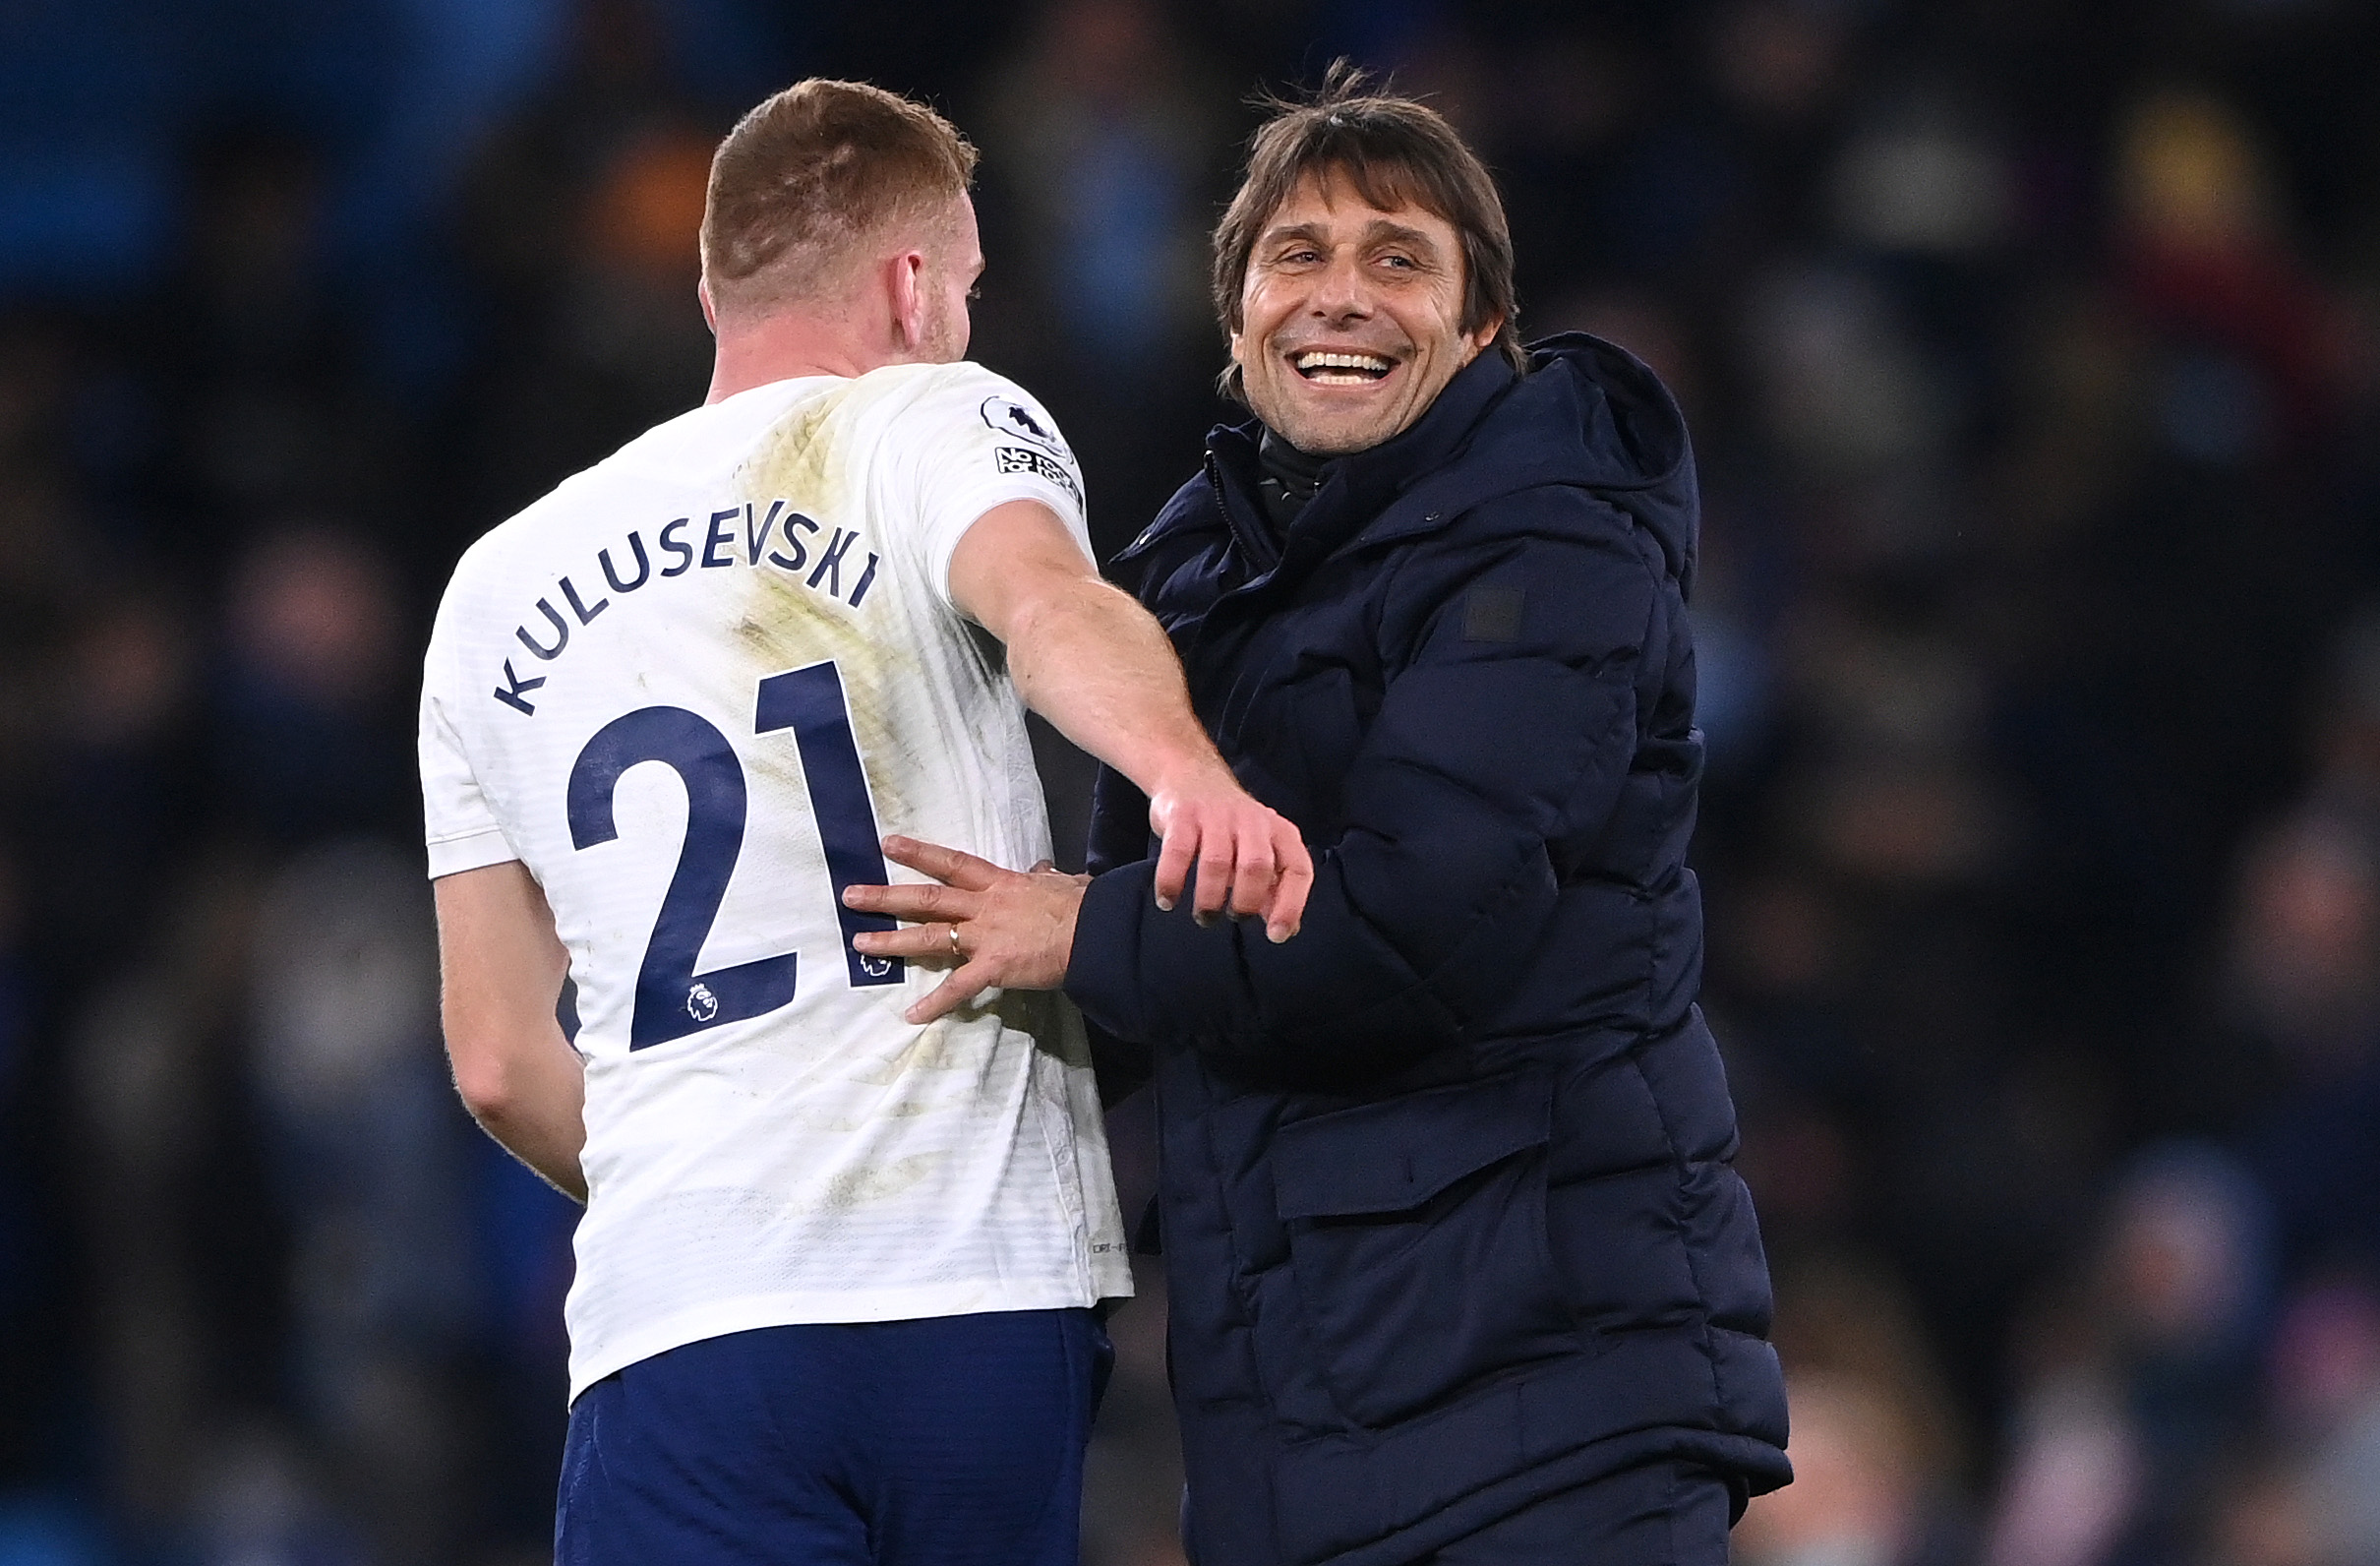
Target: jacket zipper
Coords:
[[1259, 552]]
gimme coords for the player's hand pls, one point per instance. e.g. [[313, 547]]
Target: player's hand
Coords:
[[1249, 860], [1013, 929]]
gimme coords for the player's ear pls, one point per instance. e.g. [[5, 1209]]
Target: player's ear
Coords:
[[909, 299], [711, 312]]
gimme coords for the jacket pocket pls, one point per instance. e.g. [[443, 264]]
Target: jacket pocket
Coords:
[[1417, 1240]]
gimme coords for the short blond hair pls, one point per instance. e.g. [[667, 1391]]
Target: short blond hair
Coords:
[[811, 171]]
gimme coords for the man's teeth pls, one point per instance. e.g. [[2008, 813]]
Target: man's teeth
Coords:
[[1317, 365]]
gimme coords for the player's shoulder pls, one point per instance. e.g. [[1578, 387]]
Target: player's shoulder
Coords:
[[911, 383], [963, 395]]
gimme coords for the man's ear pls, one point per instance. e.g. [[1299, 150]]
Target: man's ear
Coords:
[[711, 312], [1486, 333], [909, 312]]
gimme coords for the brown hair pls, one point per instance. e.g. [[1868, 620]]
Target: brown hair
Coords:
[[810, 170], [1394, 150]]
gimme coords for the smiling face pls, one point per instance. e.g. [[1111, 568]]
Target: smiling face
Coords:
[[1351, 317]]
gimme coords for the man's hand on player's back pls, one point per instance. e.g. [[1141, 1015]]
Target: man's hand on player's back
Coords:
[[1014, 929], [1018, 924]]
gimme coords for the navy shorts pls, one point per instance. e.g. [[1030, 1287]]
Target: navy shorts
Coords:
[[944, 1441]]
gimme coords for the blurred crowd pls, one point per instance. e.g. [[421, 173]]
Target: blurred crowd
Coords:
[[2033, 355]]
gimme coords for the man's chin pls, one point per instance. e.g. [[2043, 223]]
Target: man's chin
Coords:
[[1333, 434], [1317, 439]]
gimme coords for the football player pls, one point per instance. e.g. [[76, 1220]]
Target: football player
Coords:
[[836, 1273]]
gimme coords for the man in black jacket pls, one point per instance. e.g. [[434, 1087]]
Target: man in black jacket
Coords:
[[1459, 1266]]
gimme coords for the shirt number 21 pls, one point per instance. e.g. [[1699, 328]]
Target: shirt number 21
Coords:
[[673, 1001]]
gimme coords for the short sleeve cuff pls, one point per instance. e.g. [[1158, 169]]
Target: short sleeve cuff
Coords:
[[452, 856], [981, 502]]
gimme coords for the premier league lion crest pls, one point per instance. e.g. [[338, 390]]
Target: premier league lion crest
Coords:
[[1010, 417]]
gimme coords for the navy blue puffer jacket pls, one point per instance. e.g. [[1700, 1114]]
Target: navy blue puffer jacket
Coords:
[[1447, 1203]]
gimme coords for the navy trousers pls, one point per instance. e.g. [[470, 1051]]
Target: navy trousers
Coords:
[[945, 1441]]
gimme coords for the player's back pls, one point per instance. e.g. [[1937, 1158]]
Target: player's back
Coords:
[[691, 690]]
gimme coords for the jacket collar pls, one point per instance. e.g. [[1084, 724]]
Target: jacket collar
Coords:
[[1588, 415], [1361, 493]]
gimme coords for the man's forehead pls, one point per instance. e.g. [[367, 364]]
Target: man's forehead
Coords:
[[1330, 197]]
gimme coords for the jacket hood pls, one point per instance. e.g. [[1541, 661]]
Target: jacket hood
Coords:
[[1588, 413], [1593, 414]]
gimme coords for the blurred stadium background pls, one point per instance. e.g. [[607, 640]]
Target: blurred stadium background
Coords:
[[2032, 351]]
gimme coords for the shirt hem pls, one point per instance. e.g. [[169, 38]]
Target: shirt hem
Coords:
[[807, 1309]]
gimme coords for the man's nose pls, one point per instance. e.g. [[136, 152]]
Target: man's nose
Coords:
[[1343, 292]]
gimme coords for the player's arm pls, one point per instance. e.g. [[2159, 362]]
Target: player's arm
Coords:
[[500, 973], [1490, 767], [1482, 757], [1093, 661]]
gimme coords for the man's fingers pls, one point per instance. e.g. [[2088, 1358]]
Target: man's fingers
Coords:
[[1239, 850], [1289, 908], [968, 981], [925, 941], [1174, 861], [947, 865], [1252, 875], [913, 902], [1214, 862]]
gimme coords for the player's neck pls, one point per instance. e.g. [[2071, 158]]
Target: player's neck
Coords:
[[785, 348]]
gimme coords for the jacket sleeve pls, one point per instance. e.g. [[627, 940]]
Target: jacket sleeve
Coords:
[[1511, 727], [1119, 835]]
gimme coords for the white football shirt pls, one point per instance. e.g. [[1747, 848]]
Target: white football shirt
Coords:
[[691, 690]]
